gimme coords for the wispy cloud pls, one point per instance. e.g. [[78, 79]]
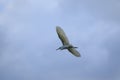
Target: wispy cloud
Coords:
[[28, 39]]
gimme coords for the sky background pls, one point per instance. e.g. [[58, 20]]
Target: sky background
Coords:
[[28, 39]]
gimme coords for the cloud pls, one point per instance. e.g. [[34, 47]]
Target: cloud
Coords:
[[28, 39], [100, 9], [97, 22]]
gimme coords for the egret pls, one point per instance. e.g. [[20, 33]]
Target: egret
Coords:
[[65, 42]]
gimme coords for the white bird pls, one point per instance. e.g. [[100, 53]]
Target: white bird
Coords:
[[65, 42]]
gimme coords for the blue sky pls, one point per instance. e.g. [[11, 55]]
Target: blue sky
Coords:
[[28, 39]]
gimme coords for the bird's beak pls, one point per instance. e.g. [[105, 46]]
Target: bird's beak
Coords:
[[57, 49]]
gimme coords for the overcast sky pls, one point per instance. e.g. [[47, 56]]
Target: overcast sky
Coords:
[[28, 39]]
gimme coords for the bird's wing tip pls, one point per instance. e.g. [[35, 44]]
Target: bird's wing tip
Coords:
[[58, 27], [78, 55], [74, 52]]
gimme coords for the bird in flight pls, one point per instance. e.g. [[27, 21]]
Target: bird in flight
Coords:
[[65, 42]]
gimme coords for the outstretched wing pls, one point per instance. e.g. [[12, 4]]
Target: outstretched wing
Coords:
[[62, 36], [74, 52]]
